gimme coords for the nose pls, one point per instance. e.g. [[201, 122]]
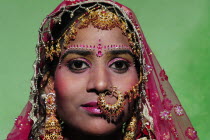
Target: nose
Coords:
[[99, 80]]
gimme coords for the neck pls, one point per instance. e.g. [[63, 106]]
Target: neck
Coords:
[[70, 134]]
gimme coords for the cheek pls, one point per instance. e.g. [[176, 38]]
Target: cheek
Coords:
[[67, 83], [62, 82], [67, 88], [126, 81]]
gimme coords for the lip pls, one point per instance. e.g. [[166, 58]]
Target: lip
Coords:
[[92, 108]]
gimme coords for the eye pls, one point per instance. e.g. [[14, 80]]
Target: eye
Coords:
[[77, 66], [120, 66]]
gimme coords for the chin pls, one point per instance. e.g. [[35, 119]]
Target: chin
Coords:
[[102, 129], [96, 126]]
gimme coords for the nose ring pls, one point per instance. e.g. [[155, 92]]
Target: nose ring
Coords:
[[112, 111]]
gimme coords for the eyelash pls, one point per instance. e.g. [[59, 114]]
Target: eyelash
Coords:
[[83, 64], [124, 63], [118, 65]]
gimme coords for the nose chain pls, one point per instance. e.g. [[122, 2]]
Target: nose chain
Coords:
[[113, 111]]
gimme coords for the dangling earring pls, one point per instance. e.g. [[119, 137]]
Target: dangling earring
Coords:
[[112, 111], [52, 127], [130, 132], [131, 129]]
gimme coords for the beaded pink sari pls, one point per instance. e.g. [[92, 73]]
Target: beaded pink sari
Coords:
[[162, 108]]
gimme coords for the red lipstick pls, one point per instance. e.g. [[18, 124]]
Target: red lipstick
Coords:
[[92, 108]]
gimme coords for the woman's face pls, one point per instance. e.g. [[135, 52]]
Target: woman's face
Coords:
[[84, 73]]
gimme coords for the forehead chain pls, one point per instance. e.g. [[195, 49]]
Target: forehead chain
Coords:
[[100, 49], [100, 18]]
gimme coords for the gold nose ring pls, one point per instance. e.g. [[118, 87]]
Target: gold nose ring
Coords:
[[112, 111]]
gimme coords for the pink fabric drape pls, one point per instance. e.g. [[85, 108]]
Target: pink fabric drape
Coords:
[[22, 125], [170, 120]]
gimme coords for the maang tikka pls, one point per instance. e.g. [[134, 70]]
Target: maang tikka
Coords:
[[52, 128]]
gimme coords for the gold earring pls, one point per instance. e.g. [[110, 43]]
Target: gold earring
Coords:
[[131, 129], [112, 111], [52, 126]]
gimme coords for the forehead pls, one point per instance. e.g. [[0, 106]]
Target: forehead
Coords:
[[92, 36]]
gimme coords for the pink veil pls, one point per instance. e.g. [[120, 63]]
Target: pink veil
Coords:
[[161, 108]]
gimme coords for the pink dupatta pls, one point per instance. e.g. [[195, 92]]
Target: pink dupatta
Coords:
[[164, 111]]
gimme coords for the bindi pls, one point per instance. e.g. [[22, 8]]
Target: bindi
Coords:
[[99, 48]]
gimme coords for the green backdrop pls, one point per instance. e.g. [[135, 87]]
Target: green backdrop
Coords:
[[178, 31]]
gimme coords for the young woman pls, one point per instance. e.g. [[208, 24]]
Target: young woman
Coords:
[[96, 78]]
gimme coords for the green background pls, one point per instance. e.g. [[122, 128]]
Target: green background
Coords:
[[178, 32]]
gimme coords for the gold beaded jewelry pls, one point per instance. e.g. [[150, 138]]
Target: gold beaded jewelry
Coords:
[[52, 127], [104, 19], [100, 18], [131, 129], [70, 35], [133, 93], [113, 111], [50, 52]]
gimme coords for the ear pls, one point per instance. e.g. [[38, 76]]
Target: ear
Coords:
[[49, 88]]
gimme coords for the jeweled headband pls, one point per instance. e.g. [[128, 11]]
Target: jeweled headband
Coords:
[[101, 18]]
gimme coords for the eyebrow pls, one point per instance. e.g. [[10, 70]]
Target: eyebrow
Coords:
[[79, 52], [87, 53], [119, 52]]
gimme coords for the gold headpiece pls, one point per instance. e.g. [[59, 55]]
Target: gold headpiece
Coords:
[[100, 18], [103, 19]]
